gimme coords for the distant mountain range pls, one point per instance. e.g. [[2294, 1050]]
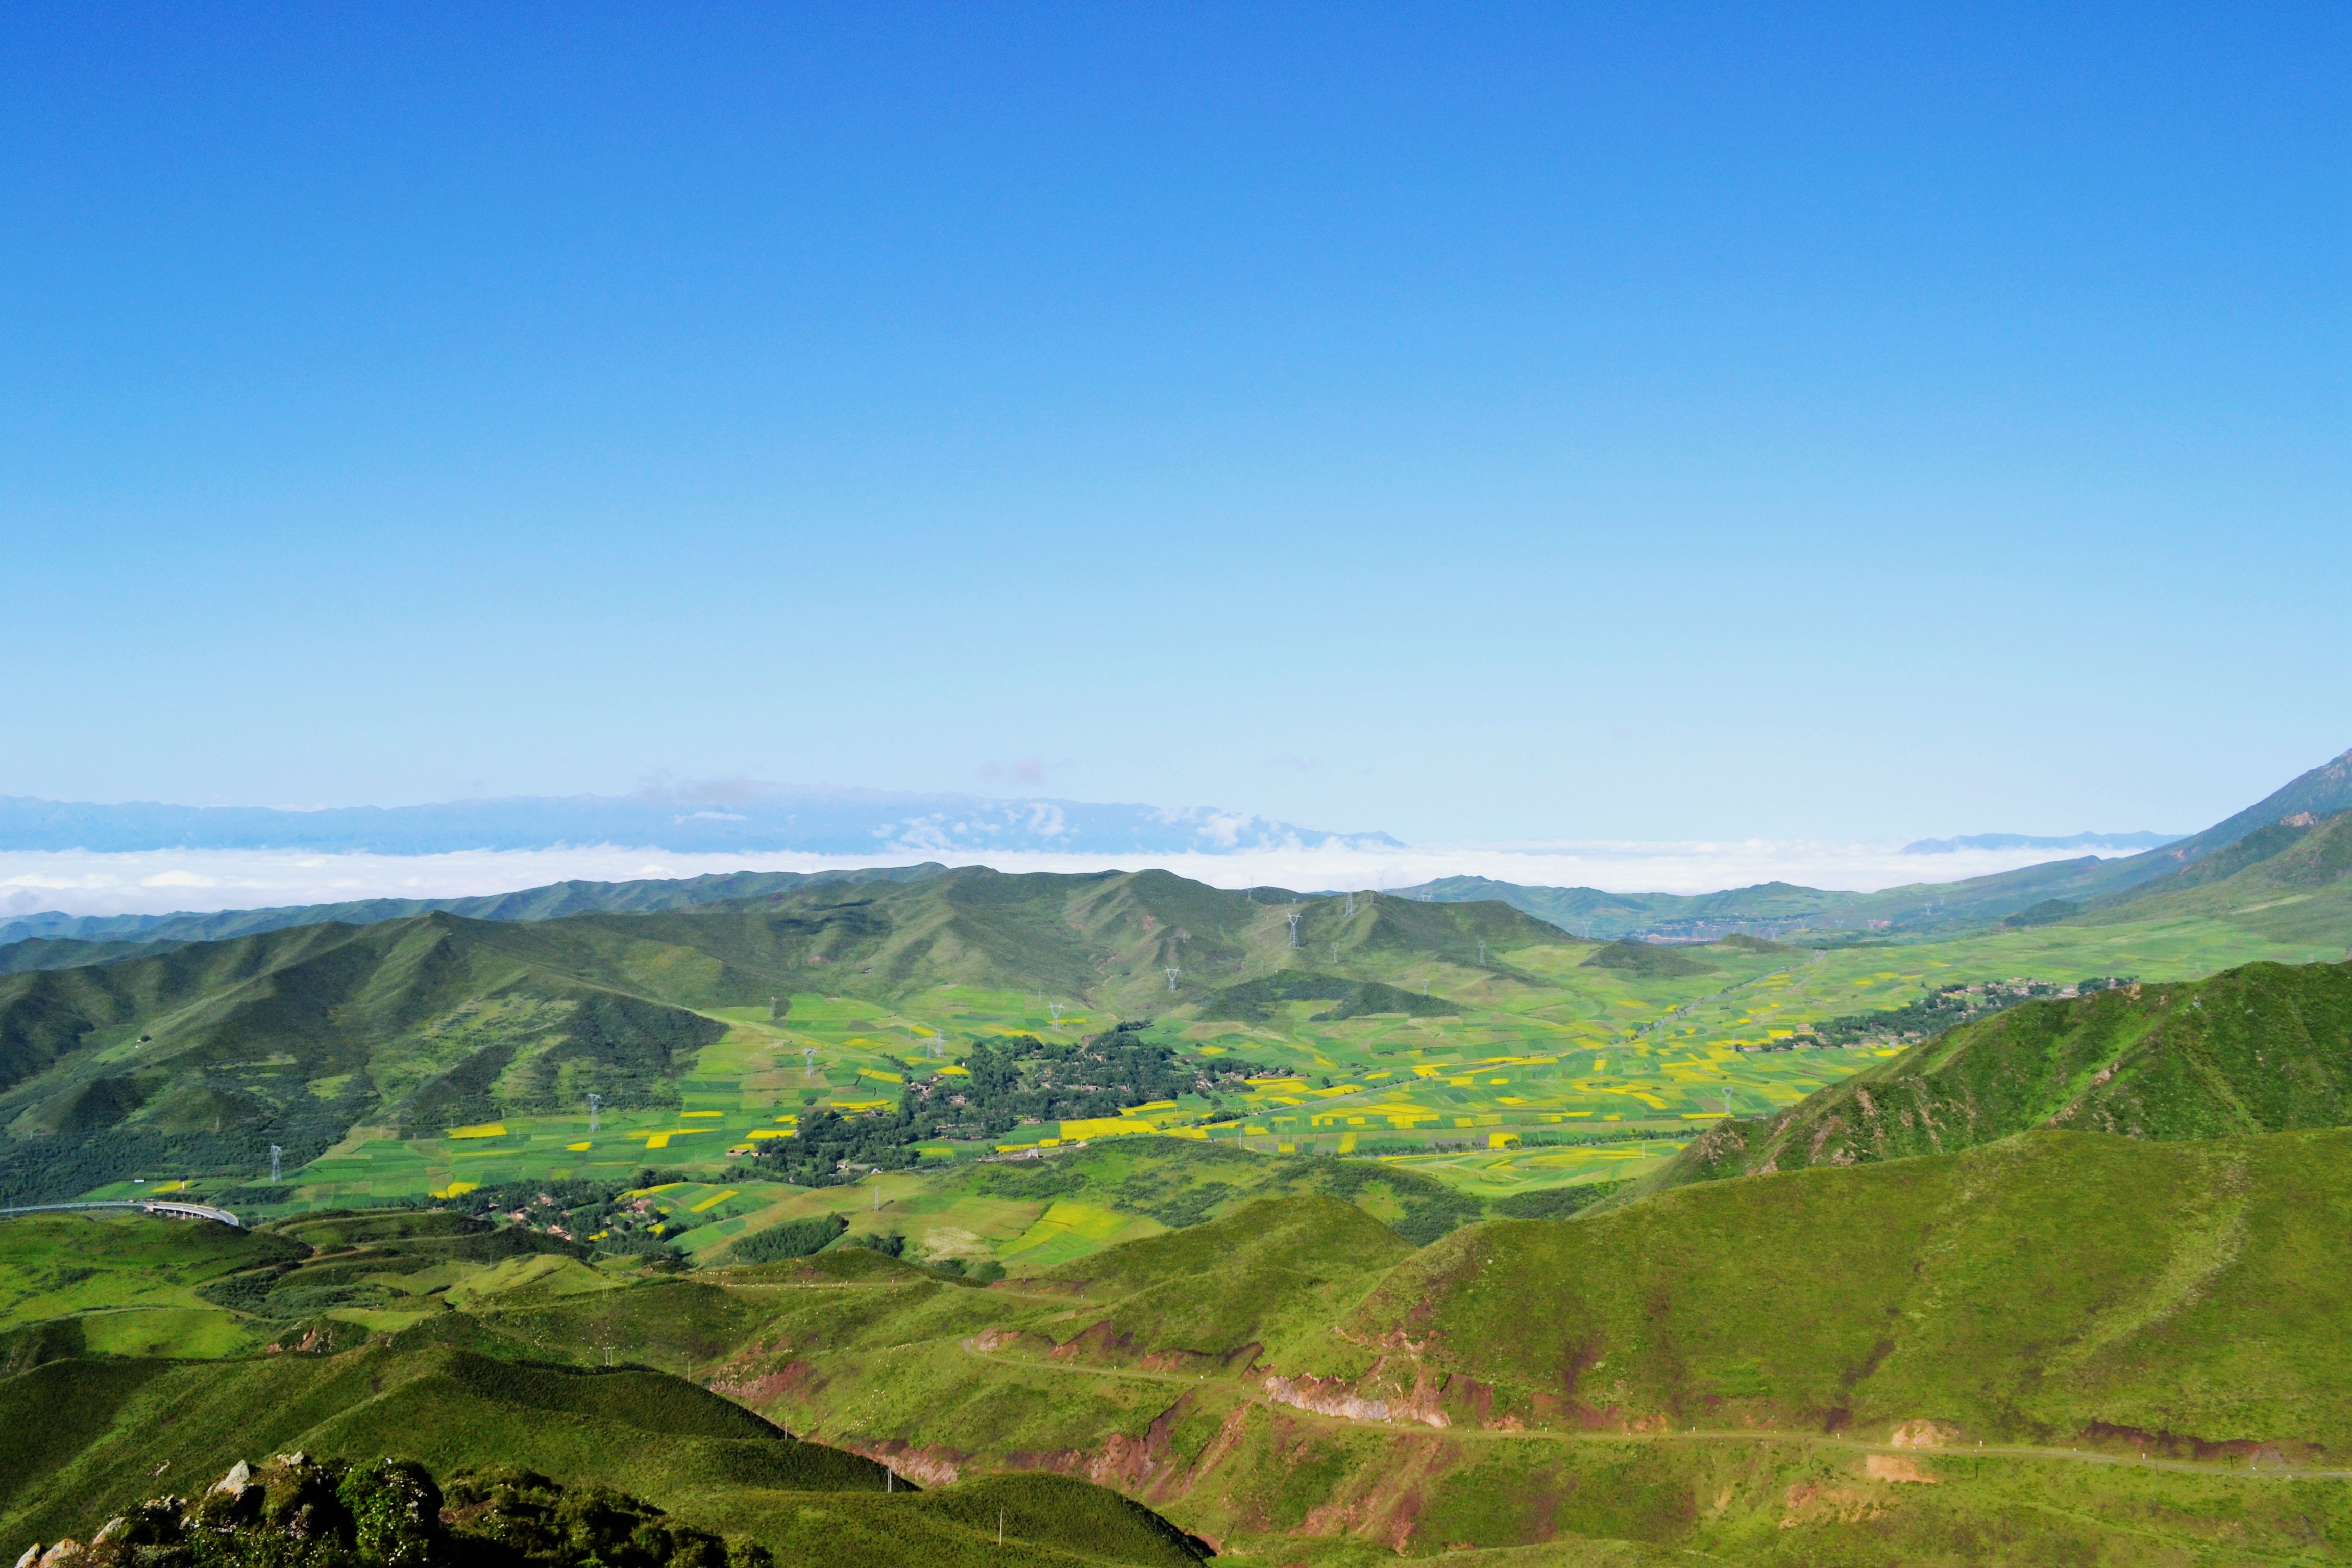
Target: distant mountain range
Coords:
[[752, 818], [2057, 889], [2085, 888], [2035, 841]]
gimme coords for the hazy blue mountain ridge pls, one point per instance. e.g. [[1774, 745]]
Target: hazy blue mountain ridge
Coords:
[[752, 818]]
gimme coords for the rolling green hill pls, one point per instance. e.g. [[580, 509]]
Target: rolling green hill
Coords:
[[202, 1056], [64, 941], [1792, 1369], [128, 1427], [1796, 1368], [2262, 1048], [2033, 1290], [1108, 936]]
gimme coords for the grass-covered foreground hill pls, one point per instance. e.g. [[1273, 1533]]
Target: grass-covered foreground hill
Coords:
[[2265, 1048], [2059, 1347], [84, 1440], [2144, 1336]]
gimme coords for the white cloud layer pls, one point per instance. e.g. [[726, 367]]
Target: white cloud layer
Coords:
[[161, 881]]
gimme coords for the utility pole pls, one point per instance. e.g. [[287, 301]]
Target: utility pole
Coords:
[[595, 1103]]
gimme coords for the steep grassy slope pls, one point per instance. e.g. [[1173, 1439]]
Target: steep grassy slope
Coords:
[[2056, 1287], [1268, 1274], [81, 1440], [1294, 1381], [2261, 1048], [202, 1056], [2291, 879], [1282, 1381], [131, 1422]]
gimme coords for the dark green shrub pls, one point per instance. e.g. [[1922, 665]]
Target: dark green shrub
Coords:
[[794, 1238]]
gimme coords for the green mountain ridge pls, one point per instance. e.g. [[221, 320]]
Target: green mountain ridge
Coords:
[[199, 1058], [55, 940], [1792, 1368], [1767, 908], [2262, 1048], [204, 1055], [2291, 879], [1287, 1375]]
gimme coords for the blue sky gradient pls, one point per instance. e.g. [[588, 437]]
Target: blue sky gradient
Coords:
[[1466, 422]]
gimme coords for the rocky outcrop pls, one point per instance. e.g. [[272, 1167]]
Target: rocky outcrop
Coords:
[[1341, 1398]]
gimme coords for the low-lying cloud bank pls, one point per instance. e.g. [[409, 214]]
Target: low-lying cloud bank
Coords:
[[162, 881]]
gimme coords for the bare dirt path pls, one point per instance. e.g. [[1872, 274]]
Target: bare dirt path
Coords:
[[2281, 1471]]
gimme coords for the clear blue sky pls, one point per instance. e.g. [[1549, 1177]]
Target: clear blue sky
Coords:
[[1469, 422]]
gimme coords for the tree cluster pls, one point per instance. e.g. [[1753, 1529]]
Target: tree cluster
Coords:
[[1946, 1008], [1020, 1082], [299, 1513]]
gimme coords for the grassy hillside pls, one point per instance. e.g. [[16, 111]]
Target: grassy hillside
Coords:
[[202, 1056], [436, 1054], [135, 1421], [132, 1427], [1297, 1383], [2291, 879], [2054, 1288], [2262, 1048], [1285, 1379], [110, 936]]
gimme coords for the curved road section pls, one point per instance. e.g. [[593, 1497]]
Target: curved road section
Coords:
[[166, 1209]]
